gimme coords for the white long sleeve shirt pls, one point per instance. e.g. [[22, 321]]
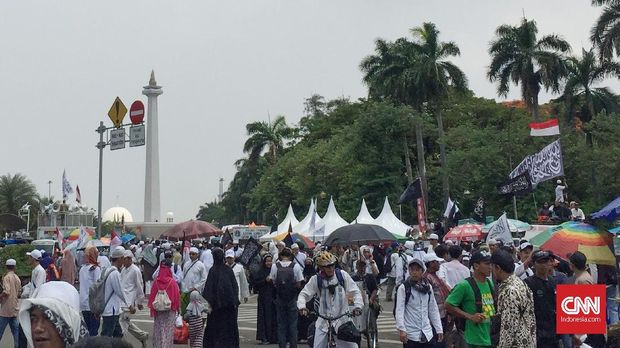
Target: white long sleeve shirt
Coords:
[[177, 273], [455, 271], [393, 260], [206, 257], [331, 305], [194, 276], [401, 267], [242, 281], [87, 278], [113, 293], [419, 316], [38, 276], [521, 271], [131, 280]]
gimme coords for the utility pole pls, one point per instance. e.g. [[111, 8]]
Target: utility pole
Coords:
[[100, 145]]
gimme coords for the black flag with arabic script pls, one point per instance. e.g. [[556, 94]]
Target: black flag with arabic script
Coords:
[[250, 250], [480, 213], [411, 193], [519, 185]]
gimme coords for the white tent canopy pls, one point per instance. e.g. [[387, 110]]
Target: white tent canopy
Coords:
[[311, 223], [290, 219], [364, 216], [390, 222], [332, 220]]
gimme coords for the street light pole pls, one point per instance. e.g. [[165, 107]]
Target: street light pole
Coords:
[[49, 190], [100, 145]]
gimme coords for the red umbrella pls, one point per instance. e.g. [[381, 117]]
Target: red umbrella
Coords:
[[192, 229], [466, 232]]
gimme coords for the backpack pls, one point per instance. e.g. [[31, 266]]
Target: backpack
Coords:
[[286, 286], [460, 322], [338, 271], [96, 294], [162, 302], [407, 285]]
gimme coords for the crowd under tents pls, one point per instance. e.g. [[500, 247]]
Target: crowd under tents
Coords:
[[319, 228]]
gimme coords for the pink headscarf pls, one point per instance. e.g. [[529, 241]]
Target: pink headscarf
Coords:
[[164, 281]]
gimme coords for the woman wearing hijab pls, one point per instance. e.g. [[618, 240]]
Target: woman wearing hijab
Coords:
[[51, 317], [67, 267], [221, 292], [266, 313], [196, 309], [51, 272], [163, 328], [89, 273]]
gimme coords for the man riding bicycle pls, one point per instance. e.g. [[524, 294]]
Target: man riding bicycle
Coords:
[[336, 292]]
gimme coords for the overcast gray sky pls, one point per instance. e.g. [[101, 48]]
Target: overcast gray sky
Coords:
[[222, 64]]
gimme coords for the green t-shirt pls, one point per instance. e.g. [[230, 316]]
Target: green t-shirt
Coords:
[[462, 295]]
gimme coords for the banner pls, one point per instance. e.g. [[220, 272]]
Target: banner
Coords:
[[500, 231], [480, 213], [421, 215], [66, 187], [519, 185], [545, 128], [542, 166], [250, 250]]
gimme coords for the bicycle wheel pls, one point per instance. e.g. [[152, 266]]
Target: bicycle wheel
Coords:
[[371, 331]]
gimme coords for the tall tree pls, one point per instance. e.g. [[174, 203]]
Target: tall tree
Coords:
[[15, 191], [605, 34], [436, 76], [580, 91], [519, 57], [266, 135]]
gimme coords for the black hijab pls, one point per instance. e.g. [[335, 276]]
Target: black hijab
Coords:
[[221, 289]]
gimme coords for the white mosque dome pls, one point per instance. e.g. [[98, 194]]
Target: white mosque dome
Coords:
[[117, 214]]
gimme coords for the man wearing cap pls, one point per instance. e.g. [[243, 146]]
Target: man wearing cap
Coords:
[[391, 271], [523, 267], [493, 245], [287, 277], [434, 240], [515, 305], [239, 271], [114, 292], [416, 314], [9, 308], [194, 277], [131, 280], [476, 306], [543, 289], [576, 214], [299, 256], [38, 275], [440, 288]]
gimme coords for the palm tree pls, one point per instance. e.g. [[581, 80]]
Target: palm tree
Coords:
[[15, 191], [518, 57], [264, 135], [416, 73], [581, 78], [605, 34], [436, 77]]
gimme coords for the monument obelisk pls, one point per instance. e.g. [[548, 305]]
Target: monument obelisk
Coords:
[[151, 179]]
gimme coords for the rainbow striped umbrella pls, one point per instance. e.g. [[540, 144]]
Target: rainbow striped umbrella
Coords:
[[577, 236]]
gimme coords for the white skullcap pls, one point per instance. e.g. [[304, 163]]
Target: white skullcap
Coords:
[[128, 253], [230, 253], [409, 244], [193, 250], [294, 246], [10, 262]]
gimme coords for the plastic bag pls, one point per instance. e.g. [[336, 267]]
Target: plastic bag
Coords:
[[178, 322], [181, 334]]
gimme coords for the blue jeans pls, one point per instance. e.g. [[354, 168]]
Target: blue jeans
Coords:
[[286, 314], [92, 323], [111, 327], [13, 325]]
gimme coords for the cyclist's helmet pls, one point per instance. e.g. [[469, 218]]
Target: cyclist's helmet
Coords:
[[325, 258]]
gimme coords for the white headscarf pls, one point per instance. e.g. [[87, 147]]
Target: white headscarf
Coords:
[[61, 304], [197, 304]]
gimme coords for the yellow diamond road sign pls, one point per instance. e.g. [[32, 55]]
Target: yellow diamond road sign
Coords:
[[117, 112]]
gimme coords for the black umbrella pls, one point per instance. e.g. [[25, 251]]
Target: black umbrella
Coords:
[[357, 234]]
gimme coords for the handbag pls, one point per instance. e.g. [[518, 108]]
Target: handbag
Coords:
[[161, 302], [349, 333], [181, 334], [178, 322]]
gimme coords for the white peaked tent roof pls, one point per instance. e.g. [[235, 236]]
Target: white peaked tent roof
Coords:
[[390, 222], [290, 219], [364, 216], [332, 219], [304, 226]]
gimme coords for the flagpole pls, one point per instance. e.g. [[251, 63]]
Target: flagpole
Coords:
[[514, 205]]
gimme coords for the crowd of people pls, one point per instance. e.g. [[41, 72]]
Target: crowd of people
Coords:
[[443, 294]]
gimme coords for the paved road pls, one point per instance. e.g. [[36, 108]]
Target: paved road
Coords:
[[247, 328]]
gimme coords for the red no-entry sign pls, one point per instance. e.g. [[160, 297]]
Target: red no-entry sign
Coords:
[[136, 112]]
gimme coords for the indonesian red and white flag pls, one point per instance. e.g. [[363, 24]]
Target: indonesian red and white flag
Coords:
[[541, 129], [115, 241], [59, 237], [78, 195]]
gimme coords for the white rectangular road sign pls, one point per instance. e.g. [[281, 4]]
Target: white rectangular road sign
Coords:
[[136, 135], [117, 139]]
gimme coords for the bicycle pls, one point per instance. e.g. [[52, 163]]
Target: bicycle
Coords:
[[331, 332], [371, 329]]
